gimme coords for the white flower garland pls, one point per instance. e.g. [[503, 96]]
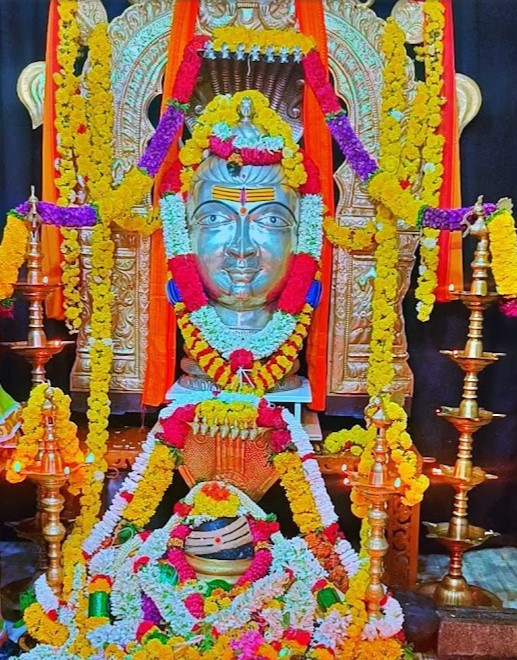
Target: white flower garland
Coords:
[[332, 630], [310, 231], [388, 624], [225, 340], [104, 528], [44, 594], [174, 218]]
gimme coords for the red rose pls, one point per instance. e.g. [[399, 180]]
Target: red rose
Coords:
[[126, 496], [143, 629], [331, 532], [141, 561], [182, 509], [302, 637], [279, 440], [241, 359], [270, 416], [52, 615]]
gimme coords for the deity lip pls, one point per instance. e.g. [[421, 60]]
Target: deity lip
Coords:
[[243, 275]]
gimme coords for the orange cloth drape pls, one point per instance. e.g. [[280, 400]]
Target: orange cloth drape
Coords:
[[161, 346], [450, 266], [51, 236], [318, 145]]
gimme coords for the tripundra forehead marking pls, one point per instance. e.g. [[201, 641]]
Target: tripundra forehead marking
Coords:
[[243, 195]]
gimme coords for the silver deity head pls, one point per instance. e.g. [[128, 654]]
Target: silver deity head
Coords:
[[243, 223]]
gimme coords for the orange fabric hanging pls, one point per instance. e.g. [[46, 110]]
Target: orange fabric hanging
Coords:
[[161, 342], [450, 264], [318, 145], [51, 236]]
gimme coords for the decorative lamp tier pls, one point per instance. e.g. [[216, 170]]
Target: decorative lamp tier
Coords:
[[37, 350], [458, 535]]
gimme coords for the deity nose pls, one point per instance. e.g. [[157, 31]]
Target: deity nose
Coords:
[[241, 245]]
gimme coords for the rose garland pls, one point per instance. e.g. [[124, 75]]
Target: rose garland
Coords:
[[27, 449]]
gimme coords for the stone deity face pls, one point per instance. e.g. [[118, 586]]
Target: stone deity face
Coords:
[[243, 230]]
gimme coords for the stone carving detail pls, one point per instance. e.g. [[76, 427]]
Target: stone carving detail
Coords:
[[254, 14], [354, 34], [89, 14], [130, 315], [410, 16], [401, 562]]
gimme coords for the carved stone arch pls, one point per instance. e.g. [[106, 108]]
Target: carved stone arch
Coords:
[[139, 39], [355, 59]]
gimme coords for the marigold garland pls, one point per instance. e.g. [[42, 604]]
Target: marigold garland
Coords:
[[95, 157], [151, 488], [70, 123], [237, 38], [503, 249], [224, 110], [41, 627], [432, 152], [12, 253]]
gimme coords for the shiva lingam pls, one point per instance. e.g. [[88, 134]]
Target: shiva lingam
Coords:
[[37, 350], [458, 535], [377, 486]]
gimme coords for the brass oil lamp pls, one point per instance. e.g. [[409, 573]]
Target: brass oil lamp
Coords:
[[37, 350], [458, 535]]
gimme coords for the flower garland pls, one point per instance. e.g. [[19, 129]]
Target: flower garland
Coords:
[[27, 449], [213, 129], [95, 160], [69, 123], [230, 358], [432, 152], [503, 249], [12, 253], [237, 39]]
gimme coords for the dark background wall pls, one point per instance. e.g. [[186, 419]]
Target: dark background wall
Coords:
[[486, 50]]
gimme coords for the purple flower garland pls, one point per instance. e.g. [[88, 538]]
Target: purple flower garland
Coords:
[[450, 219], [168, 126], [351, 146], [60, 216]]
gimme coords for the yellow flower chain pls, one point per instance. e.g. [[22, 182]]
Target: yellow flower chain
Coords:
[[503, 249], [235, 37], [156, 479], [95, 161], [42, 628], [12, 253], [219, 413], [70, 116], [349, 238], [225, 109], [292, 476], [432, 151]]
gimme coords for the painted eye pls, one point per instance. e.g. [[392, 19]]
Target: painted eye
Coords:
[[272, 221], [213, 220]]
